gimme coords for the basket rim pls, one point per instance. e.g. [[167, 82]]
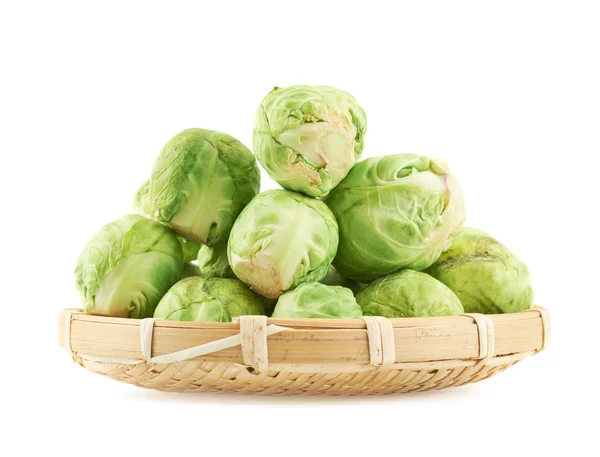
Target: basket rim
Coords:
[[371, 341], [309, 323]]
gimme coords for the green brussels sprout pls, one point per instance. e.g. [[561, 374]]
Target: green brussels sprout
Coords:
[[141, 205], [308, 137], [281, 240], [208, 300], [394, 212], [141, 200], [200, 182], [333, 278], [486, 276], [359, 287], [190, 269], [127, 267], [213, 261], [408, 293], [316, 300], [190, 249]]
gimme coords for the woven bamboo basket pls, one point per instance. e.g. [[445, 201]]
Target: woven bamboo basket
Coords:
[[372, 355]]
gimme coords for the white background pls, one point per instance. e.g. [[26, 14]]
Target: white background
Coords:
[[507, 93]]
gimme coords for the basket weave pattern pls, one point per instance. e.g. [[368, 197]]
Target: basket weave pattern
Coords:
[[304, 357], [221, 377]]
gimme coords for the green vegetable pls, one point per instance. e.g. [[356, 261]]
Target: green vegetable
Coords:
[[333, 278], [141, 205], [208, 300], [394, 212], [486, 276], [281, 240], [317, 300], [200, 183], [127, 267], [190, 249], [141, 200], [213, 261], [408, 293], [190, 269], [308, 137]]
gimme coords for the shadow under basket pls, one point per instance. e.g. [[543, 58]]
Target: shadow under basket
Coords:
[[253, 354]]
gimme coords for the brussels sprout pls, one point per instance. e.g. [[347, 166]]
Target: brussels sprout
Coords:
[[127, 267], [141, 200], [308, 137], [190, 249], [141, 205], [281, 240], [208, 300], [408, 293], [213, 261], [486, 276], [359, 287], [317, 300], [200, 183], [190, 269], [333, 278], [394, 212]]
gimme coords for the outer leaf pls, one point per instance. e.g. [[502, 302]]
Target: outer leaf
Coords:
[[141, 200], [212, 261], [141, 205], [334, 278], [189, 248]]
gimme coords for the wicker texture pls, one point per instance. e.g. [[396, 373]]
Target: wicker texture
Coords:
[[372, 356]]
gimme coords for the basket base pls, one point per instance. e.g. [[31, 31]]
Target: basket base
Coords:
[[192, 376]]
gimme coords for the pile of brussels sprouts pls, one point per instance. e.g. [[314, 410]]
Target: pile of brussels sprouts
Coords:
[[343, 238]]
